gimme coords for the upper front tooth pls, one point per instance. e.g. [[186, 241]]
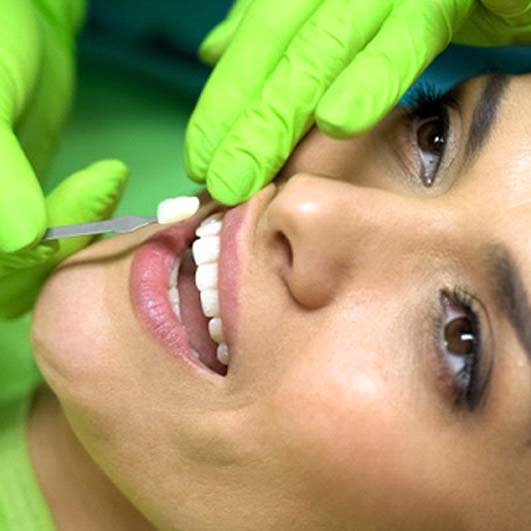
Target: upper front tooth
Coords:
[[206, 250], [210, 226], [206, 276]]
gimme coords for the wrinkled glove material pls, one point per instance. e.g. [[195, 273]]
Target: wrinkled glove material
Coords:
[[342, 64]]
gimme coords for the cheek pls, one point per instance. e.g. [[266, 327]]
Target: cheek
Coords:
[[73, 330], [349, 430]]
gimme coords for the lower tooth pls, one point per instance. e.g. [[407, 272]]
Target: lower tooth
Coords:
[[173, 295], [174, 272], [223, 354], [215, 330], [210, 302]]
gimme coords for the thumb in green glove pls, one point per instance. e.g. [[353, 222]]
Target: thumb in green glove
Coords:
[[88, 195], [341, 63]]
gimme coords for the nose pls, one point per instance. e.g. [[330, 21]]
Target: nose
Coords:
[[331, 231]]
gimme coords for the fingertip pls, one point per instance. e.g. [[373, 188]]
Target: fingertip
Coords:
[[231, 189], [189, 168], [111, 171], [89, 194], [223, 192], [212, 47], [343, 113], [339, 122]]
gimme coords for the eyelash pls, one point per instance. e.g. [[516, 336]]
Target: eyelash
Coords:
[[467, 386]]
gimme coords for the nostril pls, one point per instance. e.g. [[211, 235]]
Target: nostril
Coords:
[[285, 249]]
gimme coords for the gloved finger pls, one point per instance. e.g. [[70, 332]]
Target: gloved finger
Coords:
[[22, 209], [22, 212], [217, 40], [240, 74], [27, 258], [19, 291], [508, 8], [39, 127], [381, 74], [89, 195], [263, 138]]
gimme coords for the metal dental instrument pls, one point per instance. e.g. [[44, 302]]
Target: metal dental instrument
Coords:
[[170, 210], [119, 225]]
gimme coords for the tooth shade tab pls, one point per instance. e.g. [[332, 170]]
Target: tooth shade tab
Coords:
[[177, 209], [211, 226], [206, 250]]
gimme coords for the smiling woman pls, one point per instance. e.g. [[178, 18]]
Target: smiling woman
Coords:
[[375, 370]]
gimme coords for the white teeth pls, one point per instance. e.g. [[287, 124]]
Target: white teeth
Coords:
[[206, 276], [173, 274], [206, 250], [210, 226], [223, 354], [173, 294], [210, 302], [215, 330]]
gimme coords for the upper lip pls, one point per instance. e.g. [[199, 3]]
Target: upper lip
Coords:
[[235, 244]]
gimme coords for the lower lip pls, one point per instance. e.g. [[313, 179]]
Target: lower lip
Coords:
[[149, 278]]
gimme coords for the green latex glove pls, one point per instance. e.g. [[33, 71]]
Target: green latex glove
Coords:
[[88, 195], [36, 78], [340, 63]]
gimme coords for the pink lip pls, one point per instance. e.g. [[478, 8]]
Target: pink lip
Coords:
[[229, 273], [155, 258], [149, 277]]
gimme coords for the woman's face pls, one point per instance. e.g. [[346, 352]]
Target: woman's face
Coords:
[[373, 302]]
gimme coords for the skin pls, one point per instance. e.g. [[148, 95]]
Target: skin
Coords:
[[347, 422]]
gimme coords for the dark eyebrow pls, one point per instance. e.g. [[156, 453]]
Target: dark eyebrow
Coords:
[[510, 292], [485, 113]]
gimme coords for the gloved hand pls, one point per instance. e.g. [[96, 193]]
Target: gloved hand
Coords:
[[88, 195], [341, 63], [36, 77]]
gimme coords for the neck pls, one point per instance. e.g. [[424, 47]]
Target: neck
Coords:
[[76, 490]]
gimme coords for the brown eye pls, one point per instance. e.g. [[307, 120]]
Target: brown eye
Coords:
[[461, 344], [459, 336], [431, 136]]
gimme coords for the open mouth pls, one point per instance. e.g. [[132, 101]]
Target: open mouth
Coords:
[[194, 296]]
